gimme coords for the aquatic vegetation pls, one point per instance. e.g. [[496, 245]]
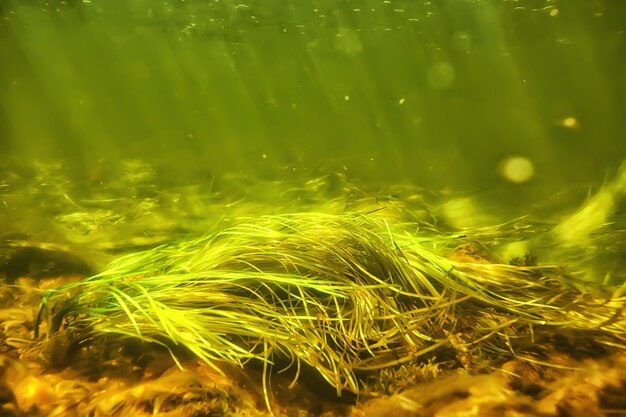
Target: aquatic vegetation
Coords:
[[345, 294], [578, 227]]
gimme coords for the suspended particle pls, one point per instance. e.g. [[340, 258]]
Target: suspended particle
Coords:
[[517, 169], [570, 123]]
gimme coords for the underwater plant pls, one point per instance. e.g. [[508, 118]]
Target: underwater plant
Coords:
[[344, 294]]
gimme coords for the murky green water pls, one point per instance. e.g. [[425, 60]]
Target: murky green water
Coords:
[[439, 92]]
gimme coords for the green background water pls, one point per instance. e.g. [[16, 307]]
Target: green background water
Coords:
[[433, 92]]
